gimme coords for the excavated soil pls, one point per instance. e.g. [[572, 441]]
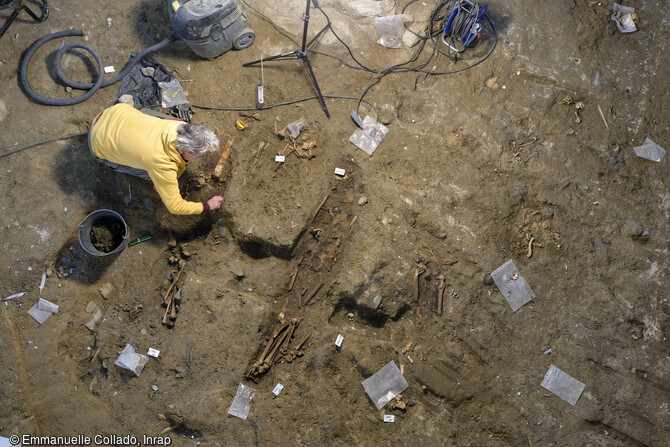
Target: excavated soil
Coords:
[[527, 156], [107, 234]]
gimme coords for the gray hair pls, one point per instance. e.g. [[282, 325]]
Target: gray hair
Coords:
[[197, 139]]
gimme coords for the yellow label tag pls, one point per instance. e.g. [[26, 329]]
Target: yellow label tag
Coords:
[[175, 5]]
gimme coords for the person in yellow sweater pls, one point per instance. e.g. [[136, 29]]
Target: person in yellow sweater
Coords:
[[152, 148]]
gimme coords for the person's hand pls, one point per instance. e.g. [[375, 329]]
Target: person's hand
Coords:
[[215, 202]]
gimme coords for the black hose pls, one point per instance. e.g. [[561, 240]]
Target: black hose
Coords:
[[83, 134], [91, 87]]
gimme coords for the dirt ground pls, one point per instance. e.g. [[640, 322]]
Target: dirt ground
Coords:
[[527, 156]]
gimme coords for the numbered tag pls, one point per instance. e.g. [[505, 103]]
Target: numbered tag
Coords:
[[339, 340], [280, 158], [277, 389], [389, 418], [340, 172], [153, 352]]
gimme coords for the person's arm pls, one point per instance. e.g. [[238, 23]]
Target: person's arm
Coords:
[[167, 187]]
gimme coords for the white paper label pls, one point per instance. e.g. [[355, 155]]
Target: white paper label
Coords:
[[109, 69], [153, 352], [278, 389], [280, 158], [389, 418], [340, 172], [338, 341]]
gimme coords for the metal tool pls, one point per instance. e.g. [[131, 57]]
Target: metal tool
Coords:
[[260, 98]]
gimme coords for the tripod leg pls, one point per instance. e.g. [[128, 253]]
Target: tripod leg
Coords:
[[316, 85], [294, 54], [315, 38], [301, 54]]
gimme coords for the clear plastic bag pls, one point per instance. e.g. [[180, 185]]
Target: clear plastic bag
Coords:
[[240, 406], [369, 136], [172, 94], [391, 29], [297, 126], [623, 16], [650, 151], [42, 310], [512, 285], [563, 385], [385, 384], [131, 360]]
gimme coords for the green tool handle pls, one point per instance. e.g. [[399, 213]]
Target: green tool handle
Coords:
[[138, 240]]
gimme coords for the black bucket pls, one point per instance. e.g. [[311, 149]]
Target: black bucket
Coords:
[[103, 233]]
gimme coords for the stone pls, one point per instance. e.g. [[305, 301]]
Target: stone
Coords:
[[91, 306], [492, 84], [636, 228], [377, 301], [95, 319], [488, 280], [3, 110], [127, 99], [106, 290], [363, 200], [184, 252], [148, 71]]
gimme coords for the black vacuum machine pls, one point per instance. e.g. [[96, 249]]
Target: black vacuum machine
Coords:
[[210, 27]]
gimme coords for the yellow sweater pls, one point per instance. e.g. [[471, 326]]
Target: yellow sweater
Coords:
[[126, 136]]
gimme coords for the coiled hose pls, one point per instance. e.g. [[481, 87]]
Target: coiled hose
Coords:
[[90, 87]]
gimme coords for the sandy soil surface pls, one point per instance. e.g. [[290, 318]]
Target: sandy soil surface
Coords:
[[526, 157]]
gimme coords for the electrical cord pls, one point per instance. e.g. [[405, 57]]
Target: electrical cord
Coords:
[[226, 109], [482, 59], [281, 104], [329, 25], [269, 20], [378, 74], [43, 142], [404, 8], [435, 17], [459, 25], [342, 61]]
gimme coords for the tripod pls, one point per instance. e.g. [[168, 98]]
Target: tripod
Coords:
[[301, 54]]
